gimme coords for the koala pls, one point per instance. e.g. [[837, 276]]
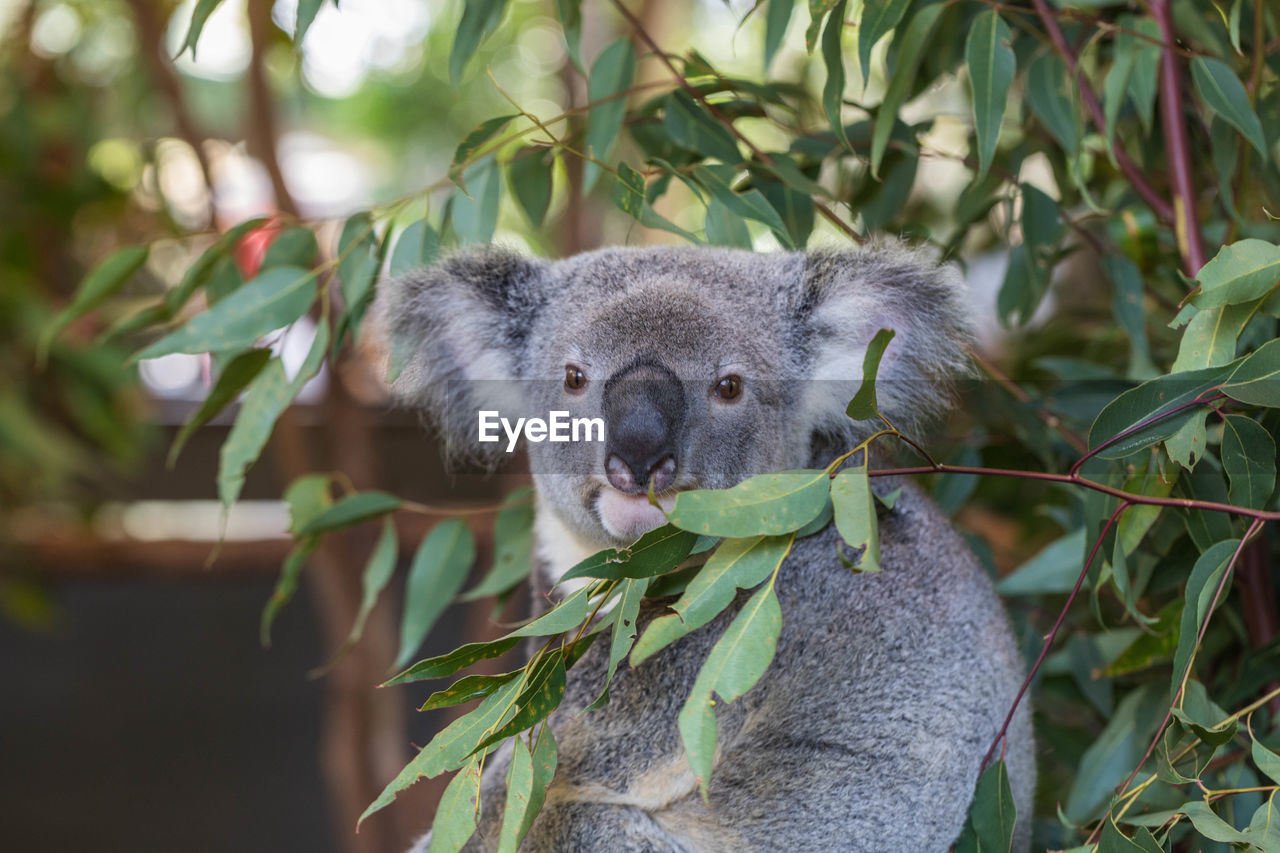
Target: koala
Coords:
[[708, 366]]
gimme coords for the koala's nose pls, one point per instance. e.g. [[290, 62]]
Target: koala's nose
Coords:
[[644, 415]]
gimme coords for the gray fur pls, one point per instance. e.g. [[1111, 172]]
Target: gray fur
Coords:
[[866, 732]]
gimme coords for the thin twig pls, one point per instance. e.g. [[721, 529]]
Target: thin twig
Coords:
[[1053, 632]]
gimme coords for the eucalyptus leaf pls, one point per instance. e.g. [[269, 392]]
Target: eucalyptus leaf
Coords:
[[1222, 90], [438, 571], [768, 504], [612, 73], [991, 68]]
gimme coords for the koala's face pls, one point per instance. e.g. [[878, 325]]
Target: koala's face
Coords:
[[705, 366], [688, 378]]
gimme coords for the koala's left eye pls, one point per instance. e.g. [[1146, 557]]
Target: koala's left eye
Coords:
[[729, 388], [574, 379]]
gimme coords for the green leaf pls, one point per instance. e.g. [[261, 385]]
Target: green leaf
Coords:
[[270, 301], [1046, 78], [307, 11], [1241, 272], [439, 569], [1115, 90], [1211, 336], [268, 396], [654, 553], [775, 27], [1115, 752], [570, 14], [479, 19], [1201, 587], [991, 69], [1249, 458], [911, 52], [512, 547], [611, 73], [455, 820], [624, 631], [1142, 81], [467, 688], [992, 814], [879, 18], [888, 199], [527, 789], [1113, 841], [659, 634], [447, 664], [863, 406], [693, 127], [1257, 378], [478, 136], [1225, 94], [358, 267], [530, 174], [451, 748], [794, 206], [1209, 824], [286, 586], [475, 217], [352, 510], [833, 59], [855, 513], [535, 703], [818, 10], [307, 497], [735, 664], [1127, 307], [726, 228], [417, 247], [1148, 402], [1268, 762], [242, 370], [749, 205], [377, 572], [566, 615], [199, 273], [736, 564], [100, 284], [292, 247], [199, 15], [629, 196], [768, 504], [1052, 570]]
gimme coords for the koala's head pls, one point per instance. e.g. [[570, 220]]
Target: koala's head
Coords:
[[707, 366]]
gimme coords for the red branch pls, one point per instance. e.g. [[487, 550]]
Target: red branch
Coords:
[[1130, 169], [1053, 632], [1177, 150]]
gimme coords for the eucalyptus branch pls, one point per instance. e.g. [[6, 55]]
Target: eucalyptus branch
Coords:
[[1130, 169], [761, 155], [1053, 632], [1177, 149], [1182, 686]]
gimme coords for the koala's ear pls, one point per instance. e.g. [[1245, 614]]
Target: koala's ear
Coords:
[[458, 333], [848, 296]]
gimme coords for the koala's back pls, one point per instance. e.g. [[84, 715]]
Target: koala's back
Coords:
[[865, 734]]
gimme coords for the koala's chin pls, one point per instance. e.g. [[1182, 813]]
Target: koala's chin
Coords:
[[625, 518], [706, 367]]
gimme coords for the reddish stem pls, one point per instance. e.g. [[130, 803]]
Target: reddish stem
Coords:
[[1130, 169], [1053, 632], [1177, 150]]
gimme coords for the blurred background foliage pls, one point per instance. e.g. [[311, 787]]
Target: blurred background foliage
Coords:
[[1081, 212]]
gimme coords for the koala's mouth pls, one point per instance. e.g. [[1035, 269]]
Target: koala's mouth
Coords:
[[628, 517]]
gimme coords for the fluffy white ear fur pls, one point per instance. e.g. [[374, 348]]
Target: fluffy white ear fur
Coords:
[[851, 295], [461, 329]]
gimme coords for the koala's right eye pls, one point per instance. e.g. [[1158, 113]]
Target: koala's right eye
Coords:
[[575, 381]]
